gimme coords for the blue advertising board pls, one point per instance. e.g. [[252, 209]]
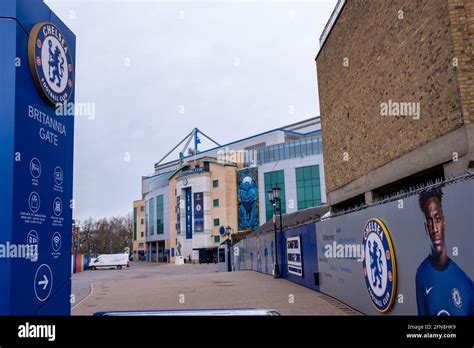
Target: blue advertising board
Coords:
[[198, 212], [189, 224], [36, 160]]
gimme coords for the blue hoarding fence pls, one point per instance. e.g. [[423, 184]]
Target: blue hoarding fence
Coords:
[[369, 256]]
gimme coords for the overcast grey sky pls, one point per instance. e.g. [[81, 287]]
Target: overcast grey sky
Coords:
[[237, 68]]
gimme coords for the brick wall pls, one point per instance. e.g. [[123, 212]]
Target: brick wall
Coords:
[[407, 60], [461, 14]]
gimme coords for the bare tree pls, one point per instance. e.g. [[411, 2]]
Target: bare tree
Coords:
[[106, 235]]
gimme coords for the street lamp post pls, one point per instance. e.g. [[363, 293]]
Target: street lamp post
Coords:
[[228, 232], [275, 198]]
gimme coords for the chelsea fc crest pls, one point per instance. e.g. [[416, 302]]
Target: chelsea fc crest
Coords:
[[51, 62], [379, 264]]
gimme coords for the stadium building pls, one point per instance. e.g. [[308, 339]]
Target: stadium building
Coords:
[[190, 201]]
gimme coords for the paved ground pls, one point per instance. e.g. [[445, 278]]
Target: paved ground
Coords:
[[147, 286], [81, 282]]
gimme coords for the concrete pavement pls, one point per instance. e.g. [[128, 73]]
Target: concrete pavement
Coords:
[[81, 282], [158, 287]]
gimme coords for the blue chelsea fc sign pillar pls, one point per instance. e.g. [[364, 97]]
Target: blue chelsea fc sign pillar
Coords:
[[36, 159]]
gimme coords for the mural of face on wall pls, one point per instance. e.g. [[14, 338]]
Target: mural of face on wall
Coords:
[[247, 194]]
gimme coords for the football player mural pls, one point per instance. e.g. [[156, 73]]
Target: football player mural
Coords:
[[247, 199], [442, 287]]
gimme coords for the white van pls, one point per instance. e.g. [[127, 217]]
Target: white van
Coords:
[[109, 261]]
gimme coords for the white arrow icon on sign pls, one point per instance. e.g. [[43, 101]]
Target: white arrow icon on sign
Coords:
[[44, 282]]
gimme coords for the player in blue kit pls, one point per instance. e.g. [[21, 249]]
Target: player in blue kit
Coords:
[[442, 287]]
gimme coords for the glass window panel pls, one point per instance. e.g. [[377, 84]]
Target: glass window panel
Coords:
[[244, 158], [268, 181], [272, 179], [299, 174], [159, 215], [281, 176], [283, 198], [309, 146], [152, 216], [297, 149], [301, 205], [281, 152], [300, 193], [308, 193], [315, 190], [314, 146], [308, 186], [303, 147], [292, 150]]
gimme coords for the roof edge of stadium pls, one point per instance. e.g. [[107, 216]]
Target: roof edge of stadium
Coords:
[[281, 129]]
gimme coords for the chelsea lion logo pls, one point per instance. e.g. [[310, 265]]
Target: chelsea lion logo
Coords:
[[380, 271], [51, 62]]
